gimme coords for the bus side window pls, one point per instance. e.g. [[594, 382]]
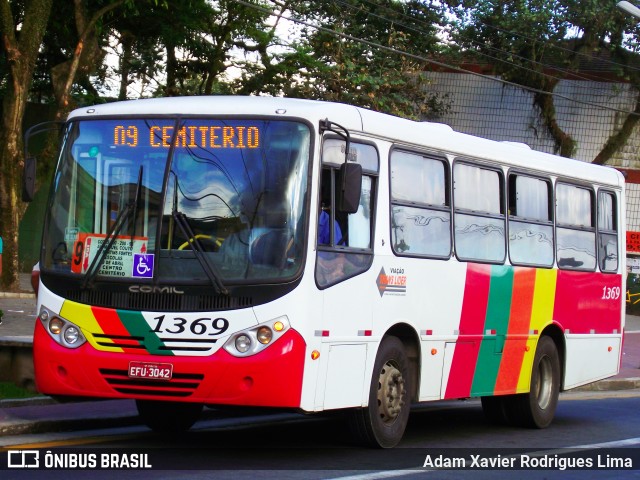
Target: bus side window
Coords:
[[420, 206], [479, 213], [327, 215], [607, 232], [530, 221], [349, 230], [344, 239], [575, 229], [358, 224]]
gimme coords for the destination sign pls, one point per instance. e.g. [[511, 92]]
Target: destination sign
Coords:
[[192, 136]]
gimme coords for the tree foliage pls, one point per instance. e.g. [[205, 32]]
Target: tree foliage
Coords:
[[536, 43], [369, 53]]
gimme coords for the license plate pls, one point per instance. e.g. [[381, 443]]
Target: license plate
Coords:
[[155, 371]]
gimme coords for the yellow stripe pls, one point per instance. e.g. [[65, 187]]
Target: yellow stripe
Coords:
[[82, 316], [544, 295]]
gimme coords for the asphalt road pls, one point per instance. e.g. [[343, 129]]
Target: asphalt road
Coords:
[[601, 428]]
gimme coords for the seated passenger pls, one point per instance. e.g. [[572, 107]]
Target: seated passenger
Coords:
[[324, 234]]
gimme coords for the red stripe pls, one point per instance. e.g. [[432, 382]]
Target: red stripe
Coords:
[[474, 311], [524, 280], [110, 324]]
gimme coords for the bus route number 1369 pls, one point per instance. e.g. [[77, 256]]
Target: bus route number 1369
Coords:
[[199, 326], [610, 293]]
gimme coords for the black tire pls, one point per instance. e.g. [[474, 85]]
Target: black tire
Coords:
[[168, 417], [537, 408], [384, 421]]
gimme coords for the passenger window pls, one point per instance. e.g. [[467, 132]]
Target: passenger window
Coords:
[[345, 239], [479, 215], [607, 232], [530, 222], [575, 232], [477, 189], [420, 207]]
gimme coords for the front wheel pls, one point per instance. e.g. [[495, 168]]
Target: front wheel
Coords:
[[537, 408], [168, 417], [383, 422]]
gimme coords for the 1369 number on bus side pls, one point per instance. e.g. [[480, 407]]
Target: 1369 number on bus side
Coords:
[[610, 293], [200, 326]]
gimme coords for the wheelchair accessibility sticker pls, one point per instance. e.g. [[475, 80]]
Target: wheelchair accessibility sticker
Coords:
[[143, 265]]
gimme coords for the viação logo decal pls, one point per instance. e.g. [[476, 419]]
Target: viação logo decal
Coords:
[[393, 284]]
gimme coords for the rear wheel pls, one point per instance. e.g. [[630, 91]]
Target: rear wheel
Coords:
[[383, 422], [537, 408], [168, 417]]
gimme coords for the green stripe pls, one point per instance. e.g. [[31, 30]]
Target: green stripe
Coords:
[[498, 310], [135, 323]]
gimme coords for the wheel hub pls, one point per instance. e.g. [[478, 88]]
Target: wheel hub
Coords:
[[544, 385], [390, 393]]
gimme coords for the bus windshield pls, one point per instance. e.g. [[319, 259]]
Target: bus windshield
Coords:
[[175, 199]]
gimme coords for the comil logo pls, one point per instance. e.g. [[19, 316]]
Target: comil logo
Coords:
[[23, 459]]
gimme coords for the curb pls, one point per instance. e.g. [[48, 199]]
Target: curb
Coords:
[[17, 295], [51, 425], [23, 341], [610, 385], [25, 427]]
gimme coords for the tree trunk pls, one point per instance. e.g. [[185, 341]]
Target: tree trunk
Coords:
[[21, 59], [564, 144], [171, 89], [11, 161], [619, 139], [126, 40], [87, 55]]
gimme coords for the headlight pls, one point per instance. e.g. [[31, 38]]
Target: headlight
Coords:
[[254, 340], [61, 330], [71, 335], [264, 335], [243, 343]]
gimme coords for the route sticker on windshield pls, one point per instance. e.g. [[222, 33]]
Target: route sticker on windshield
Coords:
[[118, 260]]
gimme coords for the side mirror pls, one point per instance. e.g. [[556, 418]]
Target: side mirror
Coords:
[[29, 179], [29, 172], [350, 187]]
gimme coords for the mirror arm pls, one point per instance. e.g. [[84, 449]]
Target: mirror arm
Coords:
[[327, 125]]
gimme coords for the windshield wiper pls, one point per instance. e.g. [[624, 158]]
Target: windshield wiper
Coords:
[[112, 234], [136, 202], [209, 269]]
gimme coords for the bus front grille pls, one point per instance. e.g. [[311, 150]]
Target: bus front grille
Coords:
[[167, 346], [158, 301]]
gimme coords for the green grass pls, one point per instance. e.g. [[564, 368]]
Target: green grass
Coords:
[[12, 391]]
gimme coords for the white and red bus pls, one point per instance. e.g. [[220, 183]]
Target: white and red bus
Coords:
[[316, 256]]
